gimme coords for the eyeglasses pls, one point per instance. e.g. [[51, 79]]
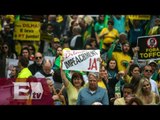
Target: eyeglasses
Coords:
[[148, 70], [38, 58]]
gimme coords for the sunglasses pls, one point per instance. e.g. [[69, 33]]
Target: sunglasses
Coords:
[[148, 70], [38, 58], [5, 47]]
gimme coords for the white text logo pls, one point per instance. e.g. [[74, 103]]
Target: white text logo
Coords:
[[28, 90]]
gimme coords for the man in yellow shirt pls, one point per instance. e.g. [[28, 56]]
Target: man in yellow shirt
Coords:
[[122, 58], [24, 71], [127, 94]]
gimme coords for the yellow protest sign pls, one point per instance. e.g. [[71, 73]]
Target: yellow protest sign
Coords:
[[27, 30], [139, 17]]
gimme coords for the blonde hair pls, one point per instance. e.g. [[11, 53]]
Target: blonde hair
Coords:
[[140, 86]]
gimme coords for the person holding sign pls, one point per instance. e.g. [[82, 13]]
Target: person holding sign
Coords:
[[73, 87]]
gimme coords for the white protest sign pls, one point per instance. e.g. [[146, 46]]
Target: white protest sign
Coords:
[[83, 60]]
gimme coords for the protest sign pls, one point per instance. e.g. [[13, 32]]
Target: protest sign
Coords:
[[27, 30], [82, 60]]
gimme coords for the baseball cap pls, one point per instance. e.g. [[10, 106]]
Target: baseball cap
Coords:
[[152, 61], [56, 39]]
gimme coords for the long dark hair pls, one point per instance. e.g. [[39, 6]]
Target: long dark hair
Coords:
[[132, 67], [107, 67]]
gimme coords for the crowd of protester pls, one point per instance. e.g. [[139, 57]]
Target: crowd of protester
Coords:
[[122, 79]]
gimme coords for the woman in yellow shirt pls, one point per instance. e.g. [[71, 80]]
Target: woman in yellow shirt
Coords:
[[109, 35]]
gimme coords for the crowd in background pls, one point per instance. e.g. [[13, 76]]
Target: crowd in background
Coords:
[[122, 79]]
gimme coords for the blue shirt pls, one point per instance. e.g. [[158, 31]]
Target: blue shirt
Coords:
[[85, 97]]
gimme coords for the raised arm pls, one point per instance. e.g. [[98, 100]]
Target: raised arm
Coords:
[[63, 76]]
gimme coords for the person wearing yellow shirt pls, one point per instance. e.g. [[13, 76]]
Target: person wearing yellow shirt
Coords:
[[73, 87], [122, 57], [127, 91], [103, 77], [109, 35], [24, 71], [134, 70]]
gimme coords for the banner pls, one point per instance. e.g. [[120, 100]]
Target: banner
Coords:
[[31, 17], [139, 17], [149, 47], [82, 60], [27, 30]]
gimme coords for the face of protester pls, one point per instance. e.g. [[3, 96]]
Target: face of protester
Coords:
[[147, 71], [126, 48], [77, 82], [5, 48], [153, 66], [110, 26], [93, 82], [47, 68], [157, 22], [59, 51], [7, 28], [25, 53], [13, 71], [101, 17], [49, 29], [112, 64], [135, 72], [103, 72], [55, 45], [74, 17], [31, 50], [93, 44], [50, 85], [122, 38], [146, 88], [38, 58], [127, 92], [136, 23]]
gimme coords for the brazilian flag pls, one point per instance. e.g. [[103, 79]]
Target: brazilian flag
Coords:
[[57, 64]]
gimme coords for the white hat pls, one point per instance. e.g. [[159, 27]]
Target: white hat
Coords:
[[152, 61]]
